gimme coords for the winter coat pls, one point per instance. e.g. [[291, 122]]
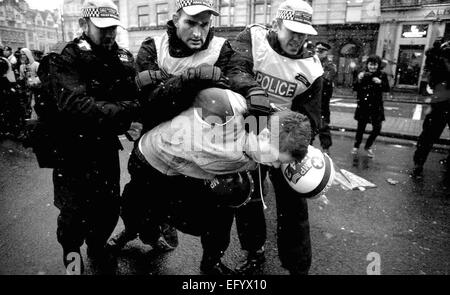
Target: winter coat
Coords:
[[28, 71], [163, 102], [370, 96], [96, 97], [242, 77]]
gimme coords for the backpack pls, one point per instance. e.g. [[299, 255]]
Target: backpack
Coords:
[[42, 134]]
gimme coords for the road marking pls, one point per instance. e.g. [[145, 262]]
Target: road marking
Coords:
[[417, 112], [344, 104], [335, 100], [353, 105]]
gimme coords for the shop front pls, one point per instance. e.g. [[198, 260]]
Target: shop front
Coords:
[[411, 57], [406, 33]]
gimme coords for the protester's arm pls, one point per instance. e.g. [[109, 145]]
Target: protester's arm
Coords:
[[89, 112], [309, 104]]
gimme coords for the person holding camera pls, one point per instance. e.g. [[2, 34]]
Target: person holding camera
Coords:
[[369, 86]]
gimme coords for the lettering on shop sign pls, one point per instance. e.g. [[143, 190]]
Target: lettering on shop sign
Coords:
[[438, 12]]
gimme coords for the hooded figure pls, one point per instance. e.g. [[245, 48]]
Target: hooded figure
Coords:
[[28, 68]]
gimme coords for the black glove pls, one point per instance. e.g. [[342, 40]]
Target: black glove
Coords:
[[203, 72], [259, 105], [149, 77]]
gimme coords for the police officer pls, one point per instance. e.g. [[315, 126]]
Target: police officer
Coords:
[[439, 115], [173, 67], [329, 69], [96, 98], [277, 64]]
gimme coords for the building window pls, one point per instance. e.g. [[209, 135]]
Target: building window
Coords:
[[162, 14], [354, 11], [226, 9], [143, 18], [261, 11]]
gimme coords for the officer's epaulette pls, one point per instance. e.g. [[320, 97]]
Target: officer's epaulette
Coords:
[[126, 51]]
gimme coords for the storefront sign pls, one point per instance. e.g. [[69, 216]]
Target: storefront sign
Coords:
[[414, 31], [438, 12]]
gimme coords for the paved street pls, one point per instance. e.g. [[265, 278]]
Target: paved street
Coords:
[[407, 224]]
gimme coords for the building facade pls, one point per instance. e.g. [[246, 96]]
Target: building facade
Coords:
[[21, 26], [349, 26], [407, 29]]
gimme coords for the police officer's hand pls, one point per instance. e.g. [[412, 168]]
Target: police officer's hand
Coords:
[[259, 105], [149, 77], [203, 72]]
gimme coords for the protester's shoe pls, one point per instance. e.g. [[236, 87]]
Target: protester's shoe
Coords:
[[117, 242], [354, 151], [161, 245], [73, 262], [215, 269], [370, 153], [252, 263], [101, 260]]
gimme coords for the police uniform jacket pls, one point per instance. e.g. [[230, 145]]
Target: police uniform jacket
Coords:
[[96, 98], [307, 87]]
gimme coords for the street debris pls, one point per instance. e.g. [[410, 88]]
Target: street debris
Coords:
[[392, 181]]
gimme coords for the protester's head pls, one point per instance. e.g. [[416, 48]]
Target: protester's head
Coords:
[[373, 63], [286, 139], [26, 57], [99, 22], [37, 54], [322, 49], [293, 25], [193, 21]]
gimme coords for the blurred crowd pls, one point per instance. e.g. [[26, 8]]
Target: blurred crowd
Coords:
[[18, 86]]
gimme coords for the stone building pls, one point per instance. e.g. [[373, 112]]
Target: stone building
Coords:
[[21, 26]]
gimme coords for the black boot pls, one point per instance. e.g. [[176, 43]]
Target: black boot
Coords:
[[101, 260], [252, 263], [215, 269]]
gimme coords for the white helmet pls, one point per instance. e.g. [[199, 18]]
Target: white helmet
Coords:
[[313, 176]]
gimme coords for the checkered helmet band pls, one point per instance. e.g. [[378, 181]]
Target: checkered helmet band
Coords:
[[100, 12], [184, 3], [295, 15]]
